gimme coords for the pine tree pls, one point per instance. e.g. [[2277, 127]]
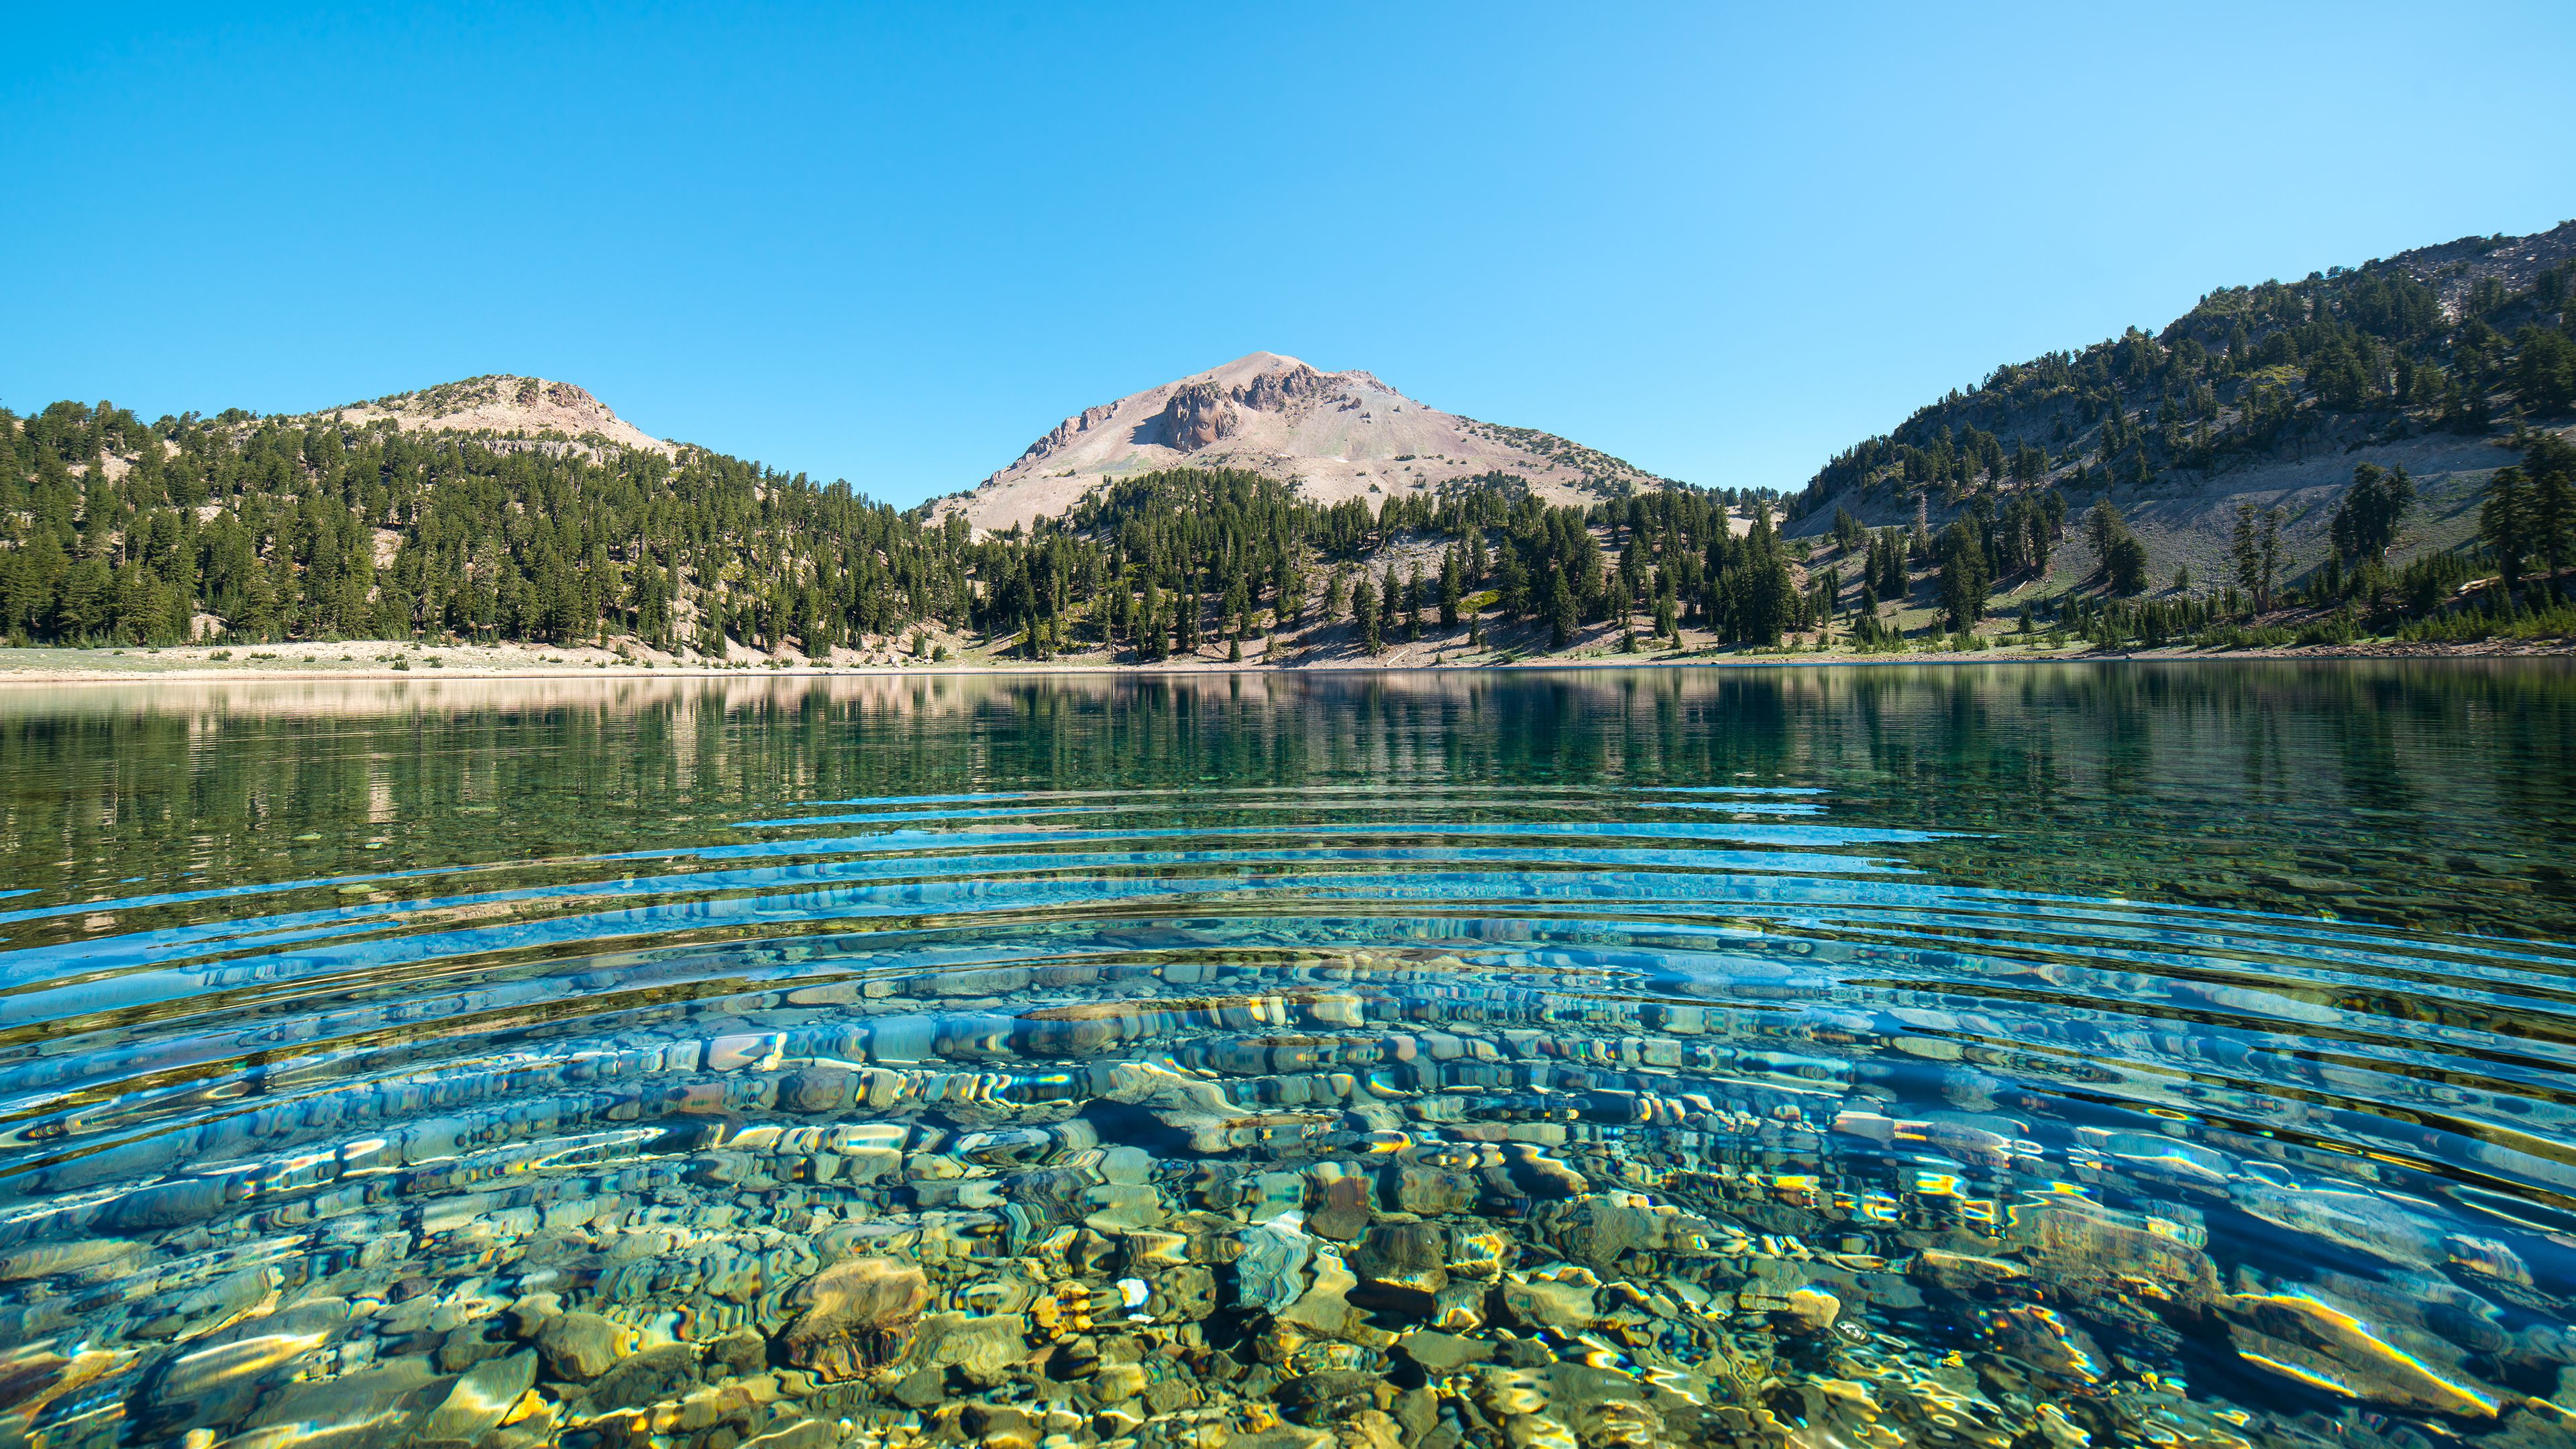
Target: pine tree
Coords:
[[1965, 577], [2270, 549], [1562, 618], [2549, 466], [2247, 549], [1291, 604], [2365, 521]]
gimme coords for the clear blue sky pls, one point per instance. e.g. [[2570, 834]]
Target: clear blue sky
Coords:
[[894, 244]]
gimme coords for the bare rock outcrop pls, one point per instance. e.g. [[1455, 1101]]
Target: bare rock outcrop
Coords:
[[1198, 415], [1064, 433], [503, 405], [1276, 392]]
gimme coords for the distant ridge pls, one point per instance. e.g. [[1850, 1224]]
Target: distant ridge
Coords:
[[1337, 434], [506, 404]]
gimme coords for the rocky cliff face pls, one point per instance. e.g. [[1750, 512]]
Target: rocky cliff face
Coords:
[[1277, 392], [1337, 434], [1198, 415], [1064, 433]]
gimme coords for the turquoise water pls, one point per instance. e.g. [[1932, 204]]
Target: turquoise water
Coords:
[[2012, 1055]]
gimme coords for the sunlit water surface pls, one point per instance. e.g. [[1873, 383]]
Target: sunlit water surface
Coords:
[[2031, 1056]]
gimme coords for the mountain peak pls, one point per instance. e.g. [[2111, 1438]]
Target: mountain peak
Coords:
[[1250, 365], [1337, 435], [503, 403]]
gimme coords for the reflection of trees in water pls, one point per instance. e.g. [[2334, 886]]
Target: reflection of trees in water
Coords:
[[2423, 793]]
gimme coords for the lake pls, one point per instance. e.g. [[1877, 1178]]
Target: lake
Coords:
[[2029, 1055]]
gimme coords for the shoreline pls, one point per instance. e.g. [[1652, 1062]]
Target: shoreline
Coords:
[[95, 666]]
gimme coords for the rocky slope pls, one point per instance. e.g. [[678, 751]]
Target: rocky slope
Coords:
[[2267, 395], [504, 405], [1338, 434]]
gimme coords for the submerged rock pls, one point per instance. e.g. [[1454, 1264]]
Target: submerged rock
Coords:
[[1343, 1198], [1402, 1267], [852, 1309], [1328, 1397], [983, 1349], [377, 1405], [663, 1372], [2087, 1253], [2356, 1220], [1810, 1310], [1325, 1308], [89, 1259], [580, 1346], [1961, 1272], [2047, 1342], [2320, 1344], [479, 1399], [1270, 1272], [33, 1377], [1560, 1299]]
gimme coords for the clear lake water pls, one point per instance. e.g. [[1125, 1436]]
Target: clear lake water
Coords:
[[2029, 1055]]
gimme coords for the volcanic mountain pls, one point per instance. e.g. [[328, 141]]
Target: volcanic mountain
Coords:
[[1337, 434]]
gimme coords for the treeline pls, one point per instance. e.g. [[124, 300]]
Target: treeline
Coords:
[[256, 530], [1167, 562], [114, 531]]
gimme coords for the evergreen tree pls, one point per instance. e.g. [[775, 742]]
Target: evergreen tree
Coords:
[[2549, 472], [2103, 527], [2544, 370], [2247, 550], [2504, 524], [1965, 578], [2270, 552], [2365, 522], [2125, 567]]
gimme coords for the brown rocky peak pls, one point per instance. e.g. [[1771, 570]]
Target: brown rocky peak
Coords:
[[1273, 392], [1199, 413]]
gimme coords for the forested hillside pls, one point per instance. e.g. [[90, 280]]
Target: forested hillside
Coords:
[[2452, 339], [2315, 460], [270, 529], [248, 529], [2274, 397]]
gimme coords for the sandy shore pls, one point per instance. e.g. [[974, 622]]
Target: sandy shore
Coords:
[[42, 666]]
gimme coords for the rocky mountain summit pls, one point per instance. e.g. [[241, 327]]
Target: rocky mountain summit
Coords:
[[506, 405], [1337, 434]]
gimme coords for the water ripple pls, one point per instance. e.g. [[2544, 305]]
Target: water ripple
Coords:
[[2079, 1135]]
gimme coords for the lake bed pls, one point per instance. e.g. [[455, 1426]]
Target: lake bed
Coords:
[[2014, 1055]]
